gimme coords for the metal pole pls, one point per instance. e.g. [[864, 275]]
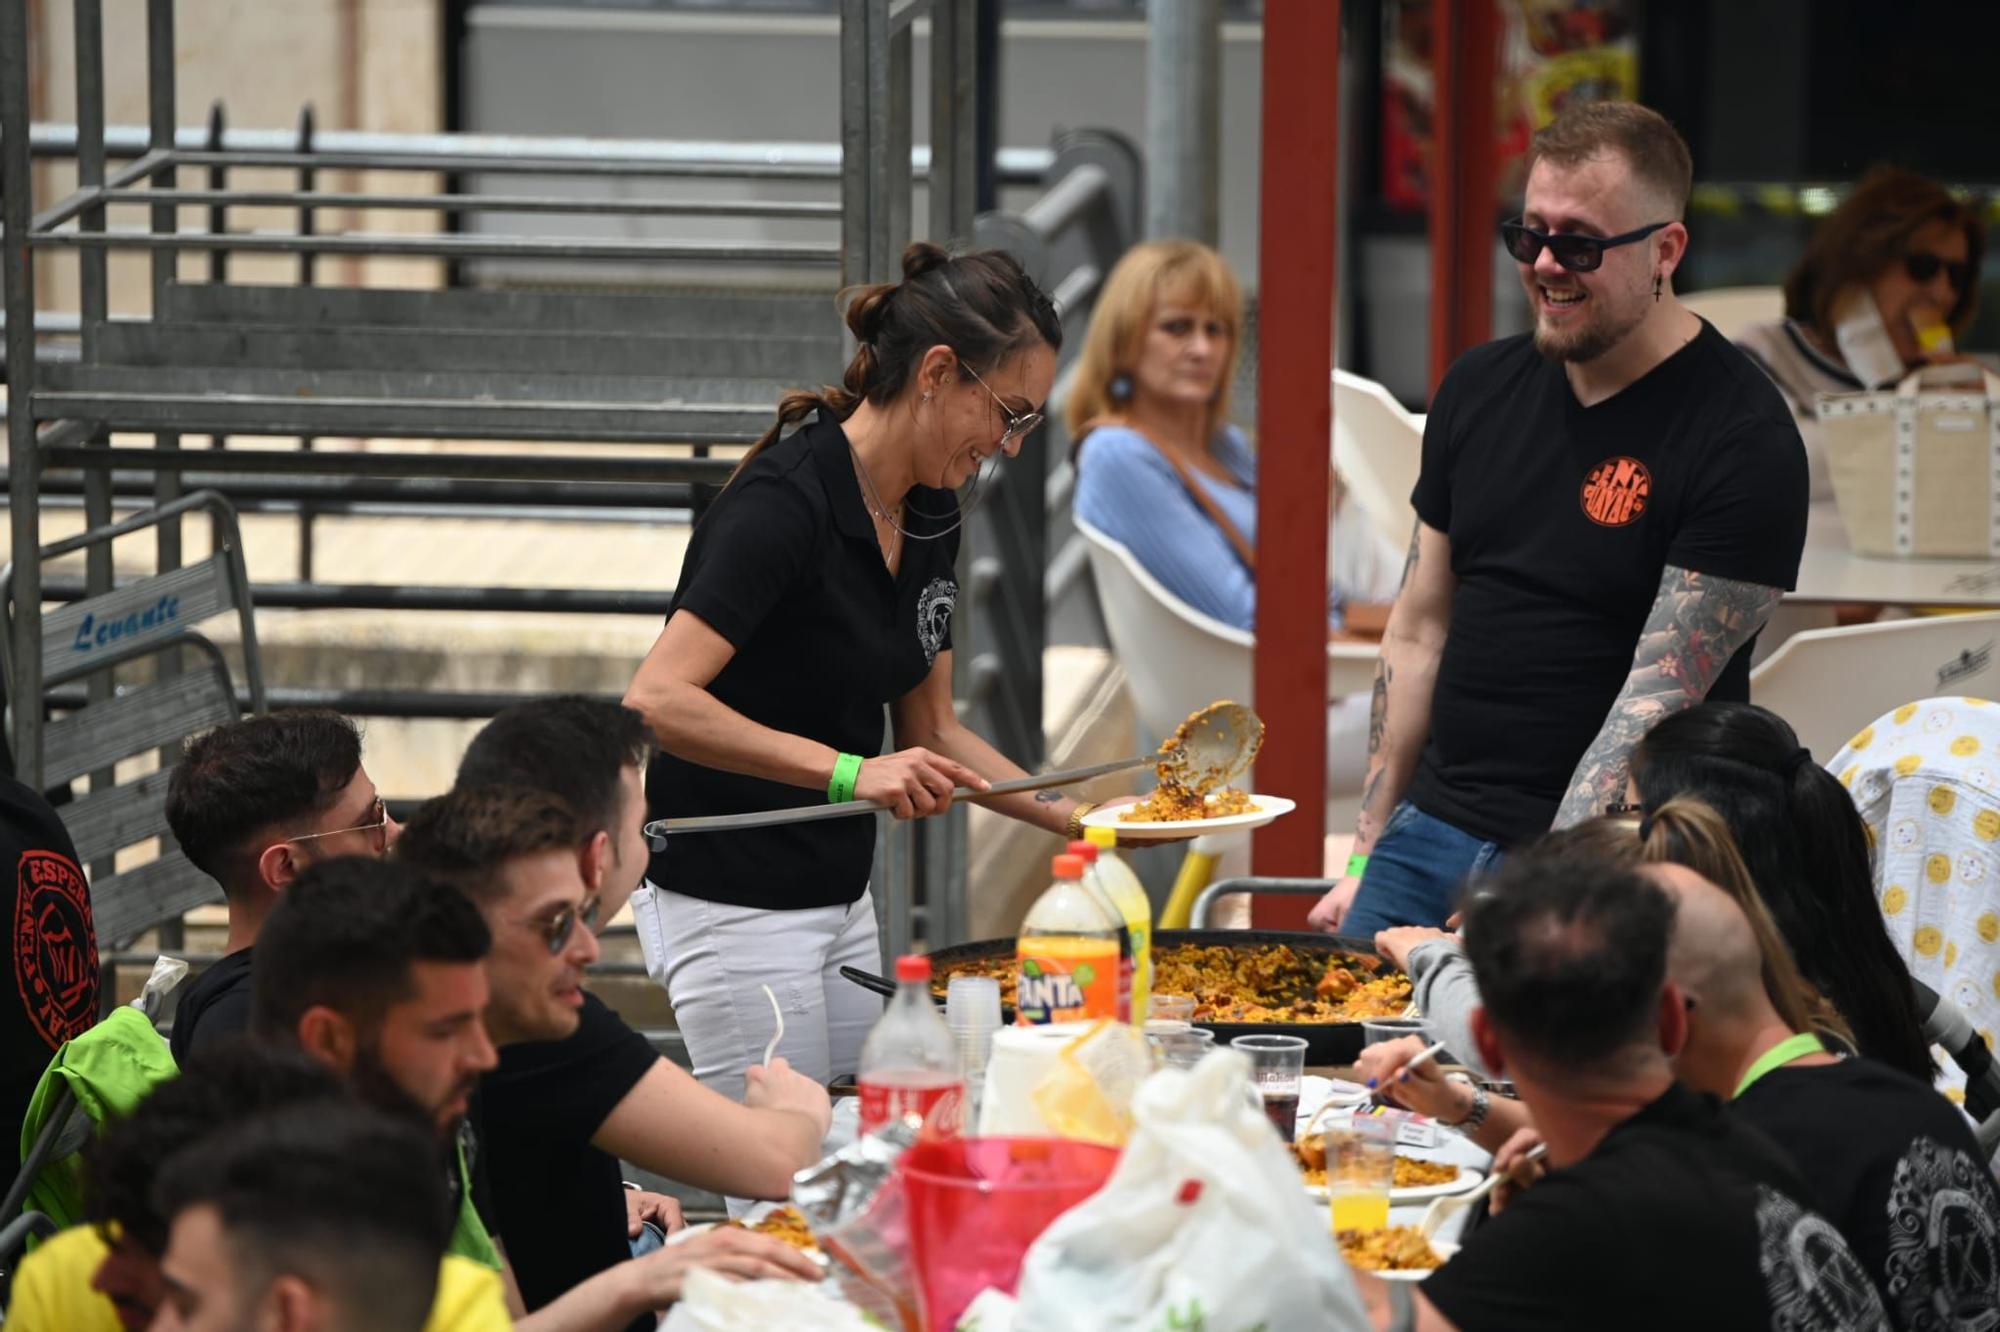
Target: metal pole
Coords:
[[1183, 118], [160, 108], [1296, 272], [954, 174], [218, 213], [17, 275], [94, 307], [1465, 40], [856, 142], [307, 261], [896, 164]]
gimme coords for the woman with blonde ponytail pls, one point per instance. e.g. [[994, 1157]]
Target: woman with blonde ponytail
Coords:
[[817, 590]]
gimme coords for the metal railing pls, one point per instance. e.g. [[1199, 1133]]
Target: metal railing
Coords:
[[222, 358]]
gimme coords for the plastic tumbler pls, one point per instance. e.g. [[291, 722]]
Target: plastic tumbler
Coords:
[[1171, 1007], [1360, 1171], [1277, 1066], [976, 1204], [1377, 1030]]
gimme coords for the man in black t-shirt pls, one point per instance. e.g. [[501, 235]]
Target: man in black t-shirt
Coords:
[[1888, 1160], [584, 1090], [54, 946], [252, 804], [1608, 511], [1659, 1211]]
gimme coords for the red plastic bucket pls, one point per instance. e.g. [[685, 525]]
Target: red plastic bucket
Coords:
[[976, 1204]]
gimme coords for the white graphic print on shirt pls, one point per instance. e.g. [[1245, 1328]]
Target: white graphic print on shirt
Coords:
[[1943, 1269], [934, 609], [1814, 1281]]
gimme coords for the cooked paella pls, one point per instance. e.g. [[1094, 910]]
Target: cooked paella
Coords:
[[1410, 1172], [1264, 983], [1391, 1249]]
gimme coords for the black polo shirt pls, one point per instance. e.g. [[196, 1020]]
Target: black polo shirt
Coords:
[[785, 566]]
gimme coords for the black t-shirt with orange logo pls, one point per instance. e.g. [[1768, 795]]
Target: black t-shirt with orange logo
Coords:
[[1561, 519], [54, 948]]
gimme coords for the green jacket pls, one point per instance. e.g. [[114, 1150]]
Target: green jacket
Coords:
[[109, 1070]]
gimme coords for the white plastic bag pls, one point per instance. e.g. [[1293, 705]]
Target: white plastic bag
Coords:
[[711, 1302], [1202, 1224]]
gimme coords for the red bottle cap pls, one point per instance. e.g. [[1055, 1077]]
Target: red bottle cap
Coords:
[[913, 967], [1068, 867], [1085, 851]]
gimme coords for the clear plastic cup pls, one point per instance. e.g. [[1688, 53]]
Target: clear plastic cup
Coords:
[[972, 1011], [1360, 1171], [1277, 1069], [1172, 1007], [1394, 1029], [1178, 1045]]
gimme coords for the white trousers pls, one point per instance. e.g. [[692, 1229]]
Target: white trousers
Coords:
[[715, 959]]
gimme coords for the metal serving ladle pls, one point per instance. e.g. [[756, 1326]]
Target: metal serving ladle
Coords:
[[1211, 748]]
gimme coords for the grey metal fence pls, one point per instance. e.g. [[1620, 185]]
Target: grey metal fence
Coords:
[[694, 369]]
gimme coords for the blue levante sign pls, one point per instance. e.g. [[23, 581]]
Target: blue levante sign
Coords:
[[96, 633]]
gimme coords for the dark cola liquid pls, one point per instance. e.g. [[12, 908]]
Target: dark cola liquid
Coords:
[[1283, 1108]]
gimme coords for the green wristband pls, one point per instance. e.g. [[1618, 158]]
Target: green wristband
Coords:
[[1356, 864], [840, 789]]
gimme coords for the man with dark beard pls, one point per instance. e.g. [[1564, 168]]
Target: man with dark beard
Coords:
[[378, 970], [1608, 511]]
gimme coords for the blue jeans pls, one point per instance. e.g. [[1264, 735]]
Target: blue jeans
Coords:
[[1415, 872]]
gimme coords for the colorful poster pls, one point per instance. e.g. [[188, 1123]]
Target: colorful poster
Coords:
[[1551, 52]]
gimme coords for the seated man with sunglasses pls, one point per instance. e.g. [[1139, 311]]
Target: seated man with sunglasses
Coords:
[[1609, 509], [252, 804], [597, 1090]]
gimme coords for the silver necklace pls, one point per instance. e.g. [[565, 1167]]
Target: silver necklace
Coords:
[[875, 505]]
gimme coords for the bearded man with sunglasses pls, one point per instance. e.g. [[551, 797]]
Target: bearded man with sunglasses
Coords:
[[577, 1089], [1608, 511], [254, 803]]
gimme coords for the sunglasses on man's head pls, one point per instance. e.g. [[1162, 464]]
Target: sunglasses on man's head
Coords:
[[557, 928], [1577, 253], [1922, 266]]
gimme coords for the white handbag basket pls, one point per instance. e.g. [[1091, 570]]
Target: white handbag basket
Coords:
[[1916, 469]]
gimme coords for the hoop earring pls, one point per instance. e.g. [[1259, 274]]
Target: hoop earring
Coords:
[[1120, 387]]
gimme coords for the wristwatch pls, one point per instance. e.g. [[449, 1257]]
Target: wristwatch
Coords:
[[1481, 1103]]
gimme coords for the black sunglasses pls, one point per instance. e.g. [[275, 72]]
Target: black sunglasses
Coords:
[[1579, 254], [556, 929], [1923, 266]]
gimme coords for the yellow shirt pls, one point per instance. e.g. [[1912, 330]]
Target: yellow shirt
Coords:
[[52, 1291]]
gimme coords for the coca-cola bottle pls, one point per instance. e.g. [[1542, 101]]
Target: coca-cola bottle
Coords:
[[909, 1061]]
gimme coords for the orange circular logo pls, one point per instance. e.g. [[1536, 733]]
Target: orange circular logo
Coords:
[[1614, 494]]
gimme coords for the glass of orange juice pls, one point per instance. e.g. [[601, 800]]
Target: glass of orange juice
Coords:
[[1360, 1170]]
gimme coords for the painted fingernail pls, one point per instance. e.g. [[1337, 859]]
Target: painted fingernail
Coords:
[[1370, 1084]]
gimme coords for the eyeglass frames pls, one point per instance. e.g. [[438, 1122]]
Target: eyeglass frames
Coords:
[[1922, 266], [1018, 427], [378, 824], [556, 929], [1579, 254]]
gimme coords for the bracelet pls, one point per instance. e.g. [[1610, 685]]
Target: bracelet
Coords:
[[1356, 864], [1481, 1103], [840, 787], [1073, 829]]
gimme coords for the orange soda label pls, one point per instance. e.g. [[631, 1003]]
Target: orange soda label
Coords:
[[1066, 978]]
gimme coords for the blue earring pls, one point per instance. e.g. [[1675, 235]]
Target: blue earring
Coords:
[[1121, 387]]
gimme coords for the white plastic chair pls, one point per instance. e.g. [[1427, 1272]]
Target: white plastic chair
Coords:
[[1378, 448], [1828, 683], [1733, 309]]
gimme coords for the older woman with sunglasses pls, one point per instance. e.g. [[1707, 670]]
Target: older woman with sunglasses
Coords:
[[818, 590], [1887, 272]]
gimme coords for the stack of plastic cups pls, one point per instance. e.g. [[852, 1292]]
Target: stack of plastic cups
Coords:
[[972, 1011]]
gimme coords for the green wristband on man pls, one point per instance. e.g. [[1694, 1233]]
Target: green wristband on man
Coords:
[[840, 789], [1356, 866]]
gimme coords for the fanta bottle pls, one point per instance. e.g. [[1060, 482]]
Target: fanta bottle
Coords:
[[1087, 853], [1068, 951]]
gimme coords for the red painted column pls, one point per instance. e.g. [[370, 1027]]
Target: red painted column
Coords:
[[1464, 52], [1295, 316]]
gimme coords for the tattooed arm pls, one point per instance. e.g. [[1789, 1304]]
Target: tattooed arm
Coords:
[[1399, 718], [1697, 624]]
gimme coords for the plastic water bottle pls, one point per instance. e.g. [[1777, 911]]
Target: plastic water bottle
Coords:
[[1087, 853], [1128, 895], [1068, 953], [910, 1060]]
